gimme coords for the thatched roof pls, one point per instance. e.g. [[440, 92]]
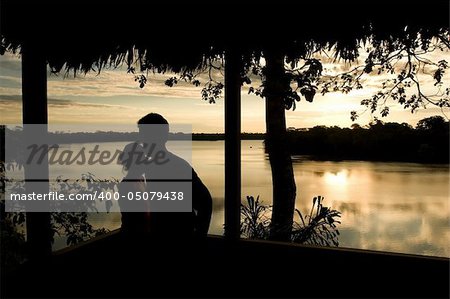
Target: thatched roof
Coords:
[[83, 36]]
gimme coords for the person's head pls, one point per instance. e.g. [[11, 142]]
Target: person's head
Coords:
[[154, 128], [132, 158]]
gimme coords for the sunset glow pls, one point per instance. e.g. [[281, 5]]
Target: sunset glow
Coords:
[[114, 97]]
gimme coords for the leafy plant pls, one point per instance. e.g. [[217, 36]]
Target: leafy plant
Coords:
[[73, 225], [255, 222], [12, 249], [319, 227]]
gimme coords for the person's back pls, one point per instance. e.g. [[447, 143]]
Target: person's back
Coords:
[[168, 167], [135, 214], [133, 223], [180, 224]]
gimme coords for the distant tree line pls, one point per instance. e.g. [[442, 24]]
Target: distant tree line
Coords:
[[428, 142], [221, 136], [111, 136]]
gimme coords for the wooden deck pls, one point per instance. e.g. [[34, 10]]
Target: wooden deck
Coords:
[[112, 266]]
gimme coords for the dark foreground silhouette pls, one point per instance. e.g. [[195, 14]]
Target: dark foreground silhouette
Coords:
[[109, 267]]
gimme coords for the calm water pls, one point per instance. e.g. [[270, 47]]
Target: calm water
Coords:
[[399, 207]]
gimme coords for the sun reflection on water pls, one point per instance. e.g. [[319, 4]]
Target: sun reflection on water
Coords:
[[337, 178]]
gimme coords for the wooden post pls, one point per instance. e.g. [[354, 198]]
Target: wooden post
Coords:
[[2, 160], [34, 98], [232, 144]]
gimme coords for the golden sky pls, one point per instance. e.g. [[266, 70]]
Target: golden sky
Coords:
[[113, 97]]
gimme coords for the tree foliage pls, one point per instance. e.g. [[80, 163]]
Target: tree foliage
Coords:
[[379, 141], [404, 63]]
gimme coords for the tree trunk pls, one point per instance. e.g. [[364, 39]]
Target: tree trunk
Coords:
[[283, 183]]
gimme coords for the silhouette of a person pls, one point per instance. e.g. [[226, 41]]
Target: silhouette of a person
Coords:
[[154, 132], [135, 214]]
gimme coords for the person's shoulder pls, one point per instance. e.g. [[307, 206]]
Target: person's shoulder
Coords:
[[177, 160]]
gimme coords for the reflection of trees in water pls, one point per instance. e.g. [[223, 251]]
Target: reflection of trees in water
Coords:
[[318, 227], [350, 208]]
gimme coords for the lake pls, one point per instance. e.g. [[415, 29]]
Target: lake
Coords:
[[396, 207]]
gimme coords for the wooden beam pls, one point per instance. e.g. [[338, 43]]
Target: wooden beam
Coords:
[[34, 98], [232, 144]]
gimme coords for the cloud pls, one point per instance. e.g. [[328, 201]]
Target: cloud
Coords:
[[118, 83], [10, 63], [65, 111], [5, 98], [10, 80], [10, 98]]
